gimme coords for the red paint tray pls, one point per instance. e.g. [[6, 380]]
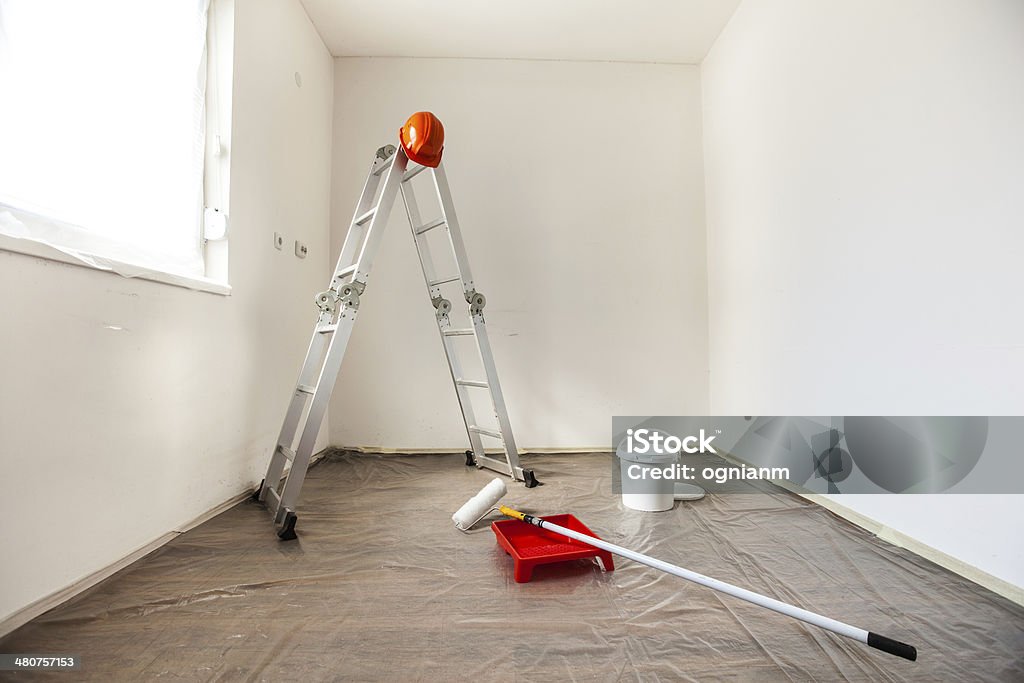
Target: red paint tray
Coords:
[[530, 546]]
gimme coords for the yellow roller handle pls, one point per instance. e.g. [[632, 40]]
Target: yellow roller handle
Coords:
[[509, 512]]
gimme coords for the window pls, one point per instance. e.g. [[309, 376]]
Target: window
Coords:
[[102, 130]]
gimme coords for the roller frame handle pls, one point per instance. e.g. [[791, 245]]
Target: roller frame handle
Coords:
[[879, 642]]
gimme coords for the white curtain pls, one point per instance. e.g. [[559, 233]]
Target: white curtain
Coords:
[[102, 129]]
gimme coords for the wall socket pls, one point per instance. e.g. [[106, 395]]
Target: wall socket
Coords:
[[278, 240], [300, 249]]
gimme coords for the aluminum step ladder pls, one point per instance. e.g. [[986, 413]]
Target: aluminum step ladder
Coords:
[[390, 173]]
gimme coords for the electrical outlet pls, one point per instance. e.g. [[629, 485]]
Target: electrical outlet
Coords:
[[278, 240], [215, 224], [300, 249]]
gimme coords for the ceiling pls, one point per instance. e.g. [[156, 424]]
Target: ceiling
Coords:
[[672, 31]]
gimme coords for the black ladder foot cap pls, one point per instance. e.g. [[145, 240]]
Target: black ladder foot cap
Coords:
[[287, 530], [530, 479], [470, 460], [258, 491]]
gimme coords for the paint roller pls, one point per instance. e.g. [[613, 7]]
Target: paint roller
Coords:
[[479, 505], [484, 501]]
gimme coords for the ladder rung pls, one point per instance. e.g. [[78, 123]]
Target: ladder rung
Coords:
[[348, 270], [288, 453], [416, 170], [366, 216], [272, 496], [471, 383], [326, 329], [306, 389], [461, 332], [444, 281], [485, 432], [495, 464], [431, 225]]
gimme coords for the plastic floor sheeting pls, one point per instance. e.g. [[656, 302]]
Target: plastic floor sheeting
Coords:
[[381, 587]]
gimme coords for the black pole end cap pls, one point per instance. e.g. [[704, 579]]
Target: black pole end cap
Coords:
[[893, 647]]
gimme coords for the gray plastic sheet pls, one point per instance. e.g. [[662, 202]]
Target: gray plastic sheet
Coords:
[[380, 586]]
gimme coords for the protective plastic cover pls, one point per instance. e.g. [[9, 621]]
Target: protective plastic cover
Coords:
[[381, 586]]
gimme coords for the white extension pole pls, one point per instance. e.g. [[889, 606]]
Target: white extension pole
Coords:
[[889, 645]]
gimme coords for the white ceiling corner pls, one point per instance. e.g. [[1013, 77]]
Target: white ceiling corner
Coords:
[[670, 31]]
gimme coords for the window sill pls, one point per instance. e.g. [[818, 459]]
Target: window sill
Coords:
[[39, 250]]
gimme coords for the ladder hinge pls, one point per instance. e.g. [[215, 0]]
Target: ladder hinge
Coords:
[[327, 301], [349, 293], [477, 301], [443, 306], [385, 157]]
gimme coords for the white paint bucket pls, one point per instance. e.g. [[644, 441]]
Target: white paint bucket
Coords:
[[646, 493]]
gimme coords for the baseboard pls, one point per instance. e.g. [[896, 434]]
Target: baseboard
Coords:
[[438, 451], [901, 540], [45, 604]]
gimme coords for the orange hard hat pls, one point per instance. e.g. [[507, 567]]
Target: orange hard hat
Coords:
[[422, 138]]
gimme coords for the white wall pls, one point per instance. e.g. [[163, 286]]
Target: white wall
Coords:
[[111, 438], [865, 166], [579, 190]]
